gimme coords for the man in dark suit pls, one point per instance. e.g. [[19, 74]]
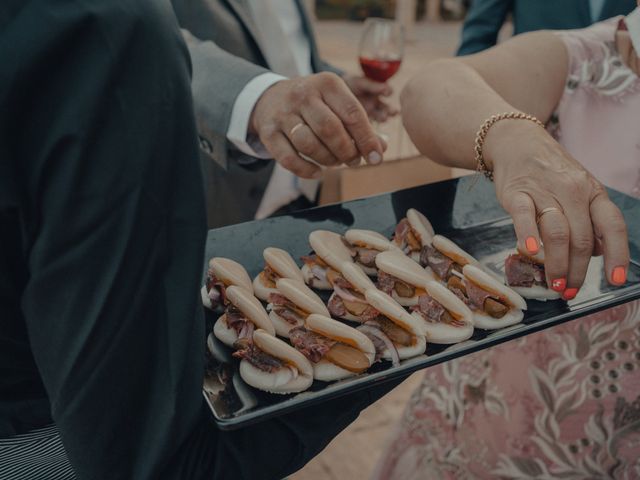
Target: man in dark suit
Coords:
[[486, 17], [272, 82]]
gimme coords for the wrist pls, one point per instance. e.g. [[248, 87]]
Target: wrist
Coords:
[[506, 137]]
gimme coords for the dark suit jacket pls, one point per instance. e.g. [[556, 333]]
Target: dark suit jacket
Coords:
[[226, 55], [486, 17]]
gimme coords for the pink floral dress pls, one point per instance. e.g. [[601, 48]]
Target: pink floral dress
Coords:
[[563, 403]]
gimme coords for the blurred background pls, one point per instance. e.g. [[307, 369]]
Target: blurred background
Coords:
[[432, 30]]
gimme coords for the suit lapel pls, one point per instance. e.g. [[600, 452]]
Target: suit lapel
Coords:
[[241, 9]]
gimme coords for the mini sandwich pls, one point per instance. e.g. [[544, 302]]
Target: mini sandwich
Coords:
[[413, 233], [348, 301], [401, 277], [395, 333], [272, 365], [525, 274], [493, 304], [447, 319], [244, 313], [222, 273], [444, 257], [365, 245], [329, 253], [335, 350], [293, 303], [277, 264]]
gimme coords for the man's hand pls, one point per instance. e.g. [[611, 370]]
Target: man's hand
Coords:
[[317, 117], [369, 93]]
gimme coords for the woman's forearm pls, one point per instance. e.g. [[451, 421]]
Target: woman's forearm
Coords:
[[444, 106]]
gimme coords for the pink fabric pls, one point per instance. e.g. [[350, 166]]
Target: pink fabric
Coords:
[[564, 402]]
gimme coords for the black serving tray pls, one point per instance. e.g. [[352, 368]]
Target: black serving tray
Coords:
[[465, 210]]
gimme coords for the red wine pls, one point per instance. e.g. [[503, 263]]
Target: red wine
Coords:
[[379, 70]]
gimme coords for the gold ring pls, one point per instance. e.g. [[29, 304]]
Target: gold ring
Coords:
[[547, 210], [296, 127]]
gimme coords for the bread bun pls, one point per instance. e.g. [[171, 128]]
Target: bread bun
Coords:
[[387, 306], [537, 292], [453, 251], [311, 280], [284, 380], [449, 301], [421, 226], [326, 371], [230, 272], [261, 290], [408, 352], [403, 268], [281, 325], [282, 263], [356, 277], [340, 332], [251, 308], [487, 322], [329, 247], [223, 332], [302, 296], [490, 284], [369, 239]]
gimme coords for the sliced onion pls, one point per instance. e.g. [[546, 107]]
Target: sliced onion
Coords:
[[319, 272], [348, 296], [247, 331], [369, 328]]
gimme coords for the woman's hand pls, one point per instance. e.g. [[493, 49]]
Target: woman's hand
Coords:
[[534, 174]]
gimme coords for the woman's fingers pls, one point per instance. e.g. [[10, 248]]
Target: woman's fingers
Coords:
[[288, 157], [556, 235], [610, 228], [580, 245], [523, 212]]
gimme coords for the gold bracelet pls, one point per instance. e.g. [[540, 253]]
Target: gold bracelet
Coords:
[[481, 166]]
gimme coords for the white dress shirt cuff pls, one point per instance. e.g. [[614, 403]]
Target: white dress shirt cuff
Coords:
[[241, 113]]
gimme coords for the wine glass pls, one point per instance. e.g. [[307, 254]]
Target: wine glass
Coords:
[[381, 48], [380, 53]]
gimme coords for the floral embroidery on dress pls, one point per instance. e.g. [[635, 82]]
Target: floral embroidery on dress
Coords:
[[604, 73]]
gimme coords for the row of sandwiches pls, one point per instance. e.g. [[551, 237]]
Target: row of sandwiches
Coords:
[[426, 290]]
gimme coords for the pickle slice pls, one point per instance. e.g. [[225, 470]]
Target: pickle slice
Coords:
[[348, 358]]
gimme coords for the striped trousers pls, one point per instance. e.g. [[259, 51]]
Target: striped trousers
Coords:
[[36, 455]]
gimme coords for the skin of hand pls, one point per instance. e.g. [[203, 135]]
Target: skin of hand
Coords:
[[533, 172], [369, 93], [317, 117], [444, 107]]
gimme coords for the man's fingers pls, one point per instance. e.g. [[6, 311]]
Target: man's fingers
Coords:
[[610, 228], [523, 212], [354, 118], [364, 85], [285, 154], [305, 141], [329, 129], [556, 235]]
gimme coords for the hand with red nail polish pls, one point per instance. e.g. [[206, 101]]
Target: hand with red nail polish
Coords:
[[559, 284], [570, 293]]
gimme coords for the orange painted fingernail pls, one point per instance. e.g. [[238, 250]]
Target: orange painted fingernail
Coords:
[[532, 245], [619, 275], [559, 284], [570, 293]]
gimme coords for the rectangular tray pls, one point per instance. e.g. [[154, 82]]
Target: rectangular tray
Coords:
[[469, 215]]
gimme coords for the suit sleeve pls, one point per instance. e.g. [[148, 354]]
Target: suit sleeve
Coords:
[[482, 25], [115, 227], [218, 78]]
